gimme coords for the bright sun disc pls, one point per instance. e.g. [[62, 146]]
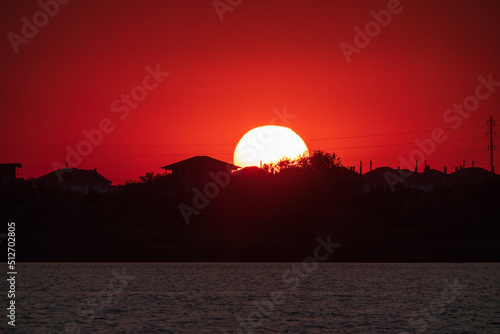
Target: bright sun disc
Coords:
[[268, 144]]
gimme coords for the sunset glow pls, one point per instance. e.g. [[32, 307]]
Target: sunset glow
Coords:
[[127, 88]]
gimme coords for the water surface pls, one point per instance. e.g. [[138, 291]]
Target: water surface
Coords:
[[258, 298]]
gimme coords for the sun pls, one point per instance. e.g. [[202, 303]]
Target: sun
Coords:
[[267, 144]]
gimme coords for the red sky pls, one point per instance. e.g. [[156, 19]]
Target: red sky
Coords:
[[226, 77]]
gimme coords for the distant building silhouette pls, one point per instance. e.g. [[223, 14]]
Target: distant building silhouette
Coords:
[[197, 170], [8, 173], [424, 181], [74, 179]]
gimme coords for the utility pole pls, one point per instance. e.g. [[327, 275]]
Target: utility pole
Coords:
[[491, 146]]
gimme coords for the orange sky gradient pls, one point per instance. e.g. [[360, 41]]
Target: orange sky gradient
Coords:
[[226, 77]]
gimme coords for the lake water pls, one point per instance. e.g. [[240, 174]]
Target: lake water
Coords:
[[256, 298]]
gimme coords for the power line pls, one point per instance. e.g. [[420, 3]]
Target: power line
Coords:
[[394, 155], [232, 144], [393, 134], [222, 153], [397, 144]]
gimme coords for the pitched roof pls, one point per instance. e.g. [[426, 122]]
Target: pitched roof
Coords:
[[200, 162], [73, 176]]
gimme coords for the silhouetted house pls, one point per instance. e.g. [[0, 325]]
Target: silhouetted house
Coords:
[[471, 175], [425, 181], [383, 177], [197, 170], [74, 179], [8, 173]]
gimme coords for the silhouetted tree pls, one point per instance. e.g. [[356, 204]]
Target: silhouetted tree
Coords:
[[318, 160], [321, 160], [149, 176]]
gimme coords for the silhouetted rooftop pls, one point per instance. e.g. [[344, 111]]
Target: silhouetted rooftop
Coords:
[[428, 177], [73, 176], [200, 162]]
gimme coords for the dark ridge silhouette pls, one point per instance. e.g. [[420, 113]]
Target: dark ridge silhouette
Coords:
[[272, 214]]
